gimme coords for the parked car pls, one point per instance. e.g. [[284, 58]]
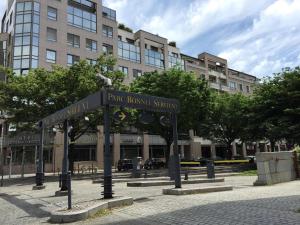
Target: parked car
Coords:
[[153, 163], [125, 164], [252, 159]]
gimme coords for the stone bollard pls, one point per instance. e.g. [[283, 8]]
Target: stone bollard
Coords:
[[186, 175], [210, 169]]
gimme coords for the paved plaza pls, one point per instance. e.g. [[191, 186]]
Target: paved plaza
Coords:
[[277, 204]]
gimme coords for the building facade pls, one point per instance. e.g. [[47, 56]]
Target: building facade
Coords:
[[41, 33]]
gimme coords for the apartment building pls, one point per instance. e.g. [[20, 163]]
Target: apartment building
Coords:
[[41, 33]]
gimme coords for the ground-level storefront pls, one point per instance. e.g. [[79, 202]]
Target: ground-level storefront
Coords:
[[21, 151]]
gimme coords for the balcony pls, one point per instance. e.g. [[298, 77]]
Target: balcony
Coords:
[[217, 74], [214, 85], [225, 88]]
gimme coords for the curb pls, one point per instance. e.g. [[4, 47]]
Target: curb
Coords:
[[68, 217], [190, 191], [161, 183]]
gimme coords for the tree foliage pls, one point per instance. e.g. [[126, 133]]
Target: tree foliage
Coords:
[[227, 119], [193, 95], [40, 93], [276, 106]]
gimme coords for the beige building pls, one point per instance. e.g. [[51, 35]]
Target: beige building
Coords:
[[41, 33]]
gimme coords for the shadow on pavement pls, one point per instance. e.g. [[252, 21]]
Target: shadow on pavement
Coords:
[[279, 210], [34, 210]]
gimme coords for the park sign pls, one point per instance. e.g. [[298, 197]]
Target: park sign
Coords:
[[139, 101], [90, 103]]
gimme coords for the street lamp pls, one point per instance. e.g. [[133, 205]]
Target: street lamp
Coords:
[[107, 155]]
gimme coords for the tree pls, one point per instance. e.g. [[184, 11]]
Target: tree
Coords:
[[277, 107], [227, 119], [40, 93], [193, 95]]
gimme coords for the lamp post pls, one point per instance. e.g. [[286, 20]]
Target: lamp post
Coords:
[[107, 154]]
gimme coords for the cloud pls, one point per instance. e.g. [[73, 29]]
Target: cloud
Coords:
[[270, 44]]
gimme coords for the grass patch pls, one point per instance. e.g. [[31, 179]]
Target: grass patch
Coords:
[[248, 173], [101, 213]]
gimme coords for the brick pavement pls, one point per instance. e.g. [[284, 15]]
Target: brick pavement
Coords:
[[244, 205]]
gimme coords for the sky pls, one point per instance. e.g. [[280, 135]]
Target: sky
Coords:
[[258, 37]]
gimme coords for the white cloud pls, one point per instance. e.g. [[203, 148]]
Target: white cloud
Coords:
[[270, 44]]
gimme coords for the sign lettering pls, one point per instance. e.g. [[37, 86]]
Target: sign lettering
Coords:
[[146, 102]]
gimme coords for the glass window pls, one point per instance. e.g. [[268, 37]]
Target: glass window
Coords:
[[35, 51], [17, 51], [108, 13], [72, 59], [73, 40], [25, 50], [27, 28], [92, 61], [129, 52], [107, 31], [27, 18], [51, 34], [19, 28], [36, 6], [241, 87], [91, 45], [247, 89], [19, 18], [82, 19], [20, 6], [27, 6], [51, 56], [136, 73], [107, 49], [18, 41], [232, 85], [52, 13], [154, 58], [124, 69]]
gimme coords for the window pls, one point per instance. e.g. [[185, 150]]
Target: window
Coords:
[[108, 13], [212, 79], [107, 31], [241, 87], [51, 34], [50, 56], [52, 13], [136, 73], [73, 40], [175, 61], [26, 38], [72, 59], [232, 85], [91, 61], [129, 52], [154, 58], [91, 45], [107, 49], [82, 19], [247, 89], [124, 69]]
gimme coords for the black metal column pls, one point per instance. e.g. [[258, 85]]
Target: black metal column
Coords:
[[39, 179], [65, 162], [107, 156], [175, 150]]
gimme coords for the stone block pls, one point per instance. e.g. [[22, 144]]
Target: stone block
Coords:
[[189, 191]]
